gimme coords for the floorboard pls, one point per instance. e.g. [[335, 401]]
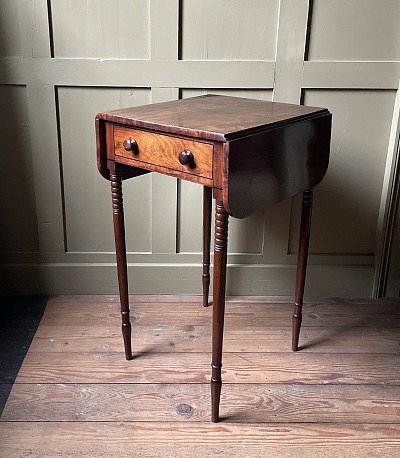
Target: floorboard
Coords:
[[167, 439], [75, 394], [19, 319]]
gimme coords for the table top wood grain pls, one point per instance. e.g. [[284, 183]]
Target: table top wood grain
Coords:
[[212, 117]]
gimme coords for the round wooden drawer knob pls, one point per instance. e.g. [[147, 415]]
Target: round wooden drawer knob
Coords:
[[186, 158], [130, 145]]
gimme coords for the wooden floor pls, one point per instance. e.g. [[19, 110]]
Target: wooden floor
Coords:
[[19, 319], [76, 395]]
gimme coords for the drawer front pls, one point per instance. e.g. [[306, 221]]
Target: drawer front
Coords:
[[164, 150]]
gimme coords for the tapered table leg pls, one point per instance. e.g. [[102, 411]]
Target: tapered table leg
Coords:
[[219, 282], [207, 197], [302, 256], [120, 248]]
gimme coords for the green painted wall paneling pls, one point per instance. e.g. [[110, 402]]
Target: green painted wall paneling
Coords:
[[62, 61]]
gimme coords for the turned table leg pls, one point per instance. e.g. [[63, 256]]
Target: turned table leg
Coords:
[[304, 239], [120, 248], [207, 197], [219, 281]]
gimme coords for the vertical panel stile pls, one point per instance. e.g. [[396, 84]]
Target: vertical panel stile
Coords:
[[389, 197], [42, 111], [392, 284], [290, 49], [46, 167], [164, 44]]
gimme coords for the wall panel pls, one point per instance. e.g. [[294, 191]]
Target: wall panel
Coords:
[[355, 30], [18, 227], [246, 236], [10, 29], [229, 29], [347, 202], [87, 195], [101, 28]]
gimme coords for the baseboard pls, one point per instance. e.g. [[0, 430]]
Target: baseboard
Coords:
[[322, 280]]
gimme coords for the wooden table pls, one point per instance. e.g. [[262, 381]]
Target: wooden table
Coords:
[[248, 154]]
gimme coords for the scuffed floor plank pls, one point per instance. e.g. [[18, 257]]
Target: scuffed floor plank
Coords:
[[250, 403], [237, 314], [153, 367], [124, 439], [189, 338]]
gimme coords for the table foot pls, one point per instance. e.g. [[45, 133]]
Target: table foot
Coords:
[[216, 386], [304, 240], [296, 325]]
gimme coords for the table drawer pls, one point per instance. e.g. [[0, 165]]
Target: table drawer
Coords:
[[164, 150]]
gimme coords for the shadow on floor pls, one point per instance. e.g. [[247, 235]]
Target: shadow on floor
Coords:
[[19, 319]]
